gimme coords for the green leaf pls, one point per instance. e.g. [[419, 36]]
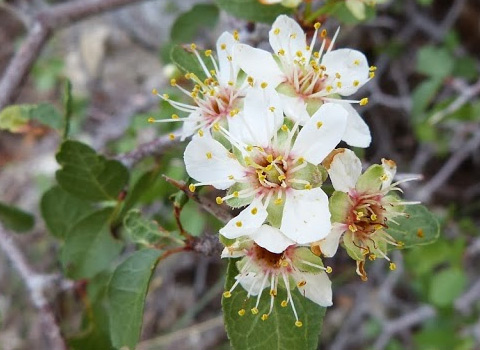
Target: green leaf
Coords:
[[249, 332], [189, 23], [14, 118], [187, 62], [422, 96], [446, 286], [61, 211], [90, 247], [252, 10], [126, 295], [148, 232], [435, 61], [87, 175], [419, 228], [15, 219], [95, 331], [67, 107]]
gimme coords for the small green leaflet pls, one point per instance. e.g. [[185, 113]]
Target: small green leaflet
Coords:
[[15, 219], [87, 175], [89, 246], [419, 228], [253, 10], [126, 295], [186, 60], [249, 332]]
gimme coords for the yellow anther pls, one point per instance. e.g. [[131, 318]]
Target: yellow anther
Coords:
[[188, 76], [193, 46], [323, 34], [371, 75], [272, 109], [209, 155], [328, 269], [307, 48], [165, 96], [319, 125], [337, 75], [227, 294], [301, 283], [299, 53], [284, 303], [356, 62], [392, 266], [301, 160], [213, 72], [356, 83], [200, 132], [151, 120], [384, 177], [208, 53], [249, 148], [230, 58], [269, 167], [276, 31], [235, 194], [155, 91], [270, 158], [173, 82], [273, 292], [264, 317], [263, 85], [191, 187], [339, 84], [352, 228], [223, 46], [317, 25], [293, 35], [372, 69], [254, 310], [284, 263], [373, 217], [329, 88], [231, 177], [372, 257], [171, 136], [219, 200], [238, 224], [364, 101], [278, 201], [235, 35], [241, 312], [231, 83], [281, 178], [254, 211], [281, 52], [284, 128], [298, 324], [308, 186], [316, 54], [216, 127]]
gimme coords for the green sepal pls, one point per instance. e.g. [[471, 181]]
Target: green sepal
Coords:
[[339, 206], [304, 253], [352, 250], [237, 202], [370, 180], [313, 104], [315, 175], [275, 212]]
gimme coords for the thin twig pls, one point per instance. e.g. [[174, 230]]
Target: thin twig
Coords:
[[36, 285], [46, 22]]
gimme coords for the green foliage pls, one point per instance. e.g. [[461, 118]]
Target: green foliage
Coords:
[[419, 228], [87, 175], [435, 61], [249, 332], [252, 10], [15, 118], [189, 23], [90, 246], [67, 107], [61, 211], [126, 295], [446, 286], [15, 219], [147, 232], [187, 62]]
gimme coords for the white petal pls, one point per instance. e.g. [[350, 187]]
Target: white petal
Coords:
[[252, 281], [329, 244], [318, 287], [206, 160], [272, 239], [290, 37], [357, 133], [228, 69], [189, 127], [390, 168], [247, 222], [295, 108], [257, 124], [259, 64], [321, 133], [306, 217], [344, 171], [352, 66]]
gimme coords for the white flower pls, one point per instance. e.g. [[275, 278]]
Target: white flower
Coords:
[[309, 78], [215, 98], [361, 207], [273, 171], [260, 269]]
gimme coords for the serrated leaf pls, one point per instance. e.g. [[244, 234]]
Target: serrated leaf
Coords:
[[249, 332], [187, 62], [61, 211], [87, 175], [15, 219], [253, 10], [189, 23], [419, 228], [147, 232], [89, 246], [126, 295]]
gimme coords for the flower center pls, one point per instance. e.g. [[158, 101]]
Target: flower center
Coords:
[[218, 105], [366, 216], [267, 259]]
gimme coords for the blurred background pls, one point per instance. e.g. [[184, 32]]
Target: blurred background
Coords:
[[424, 113]]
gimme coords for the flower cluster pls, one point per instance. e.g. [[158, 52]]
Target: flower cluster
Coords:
[[265, 127]]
